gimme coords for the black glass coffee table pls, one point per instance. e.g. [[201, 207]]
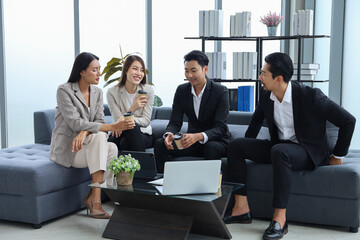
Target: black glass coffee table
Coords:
[[141, 212]]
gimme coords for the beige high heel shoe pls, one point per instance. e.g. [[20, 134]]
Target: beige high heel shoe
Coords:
[[95, 213], [87, 203]]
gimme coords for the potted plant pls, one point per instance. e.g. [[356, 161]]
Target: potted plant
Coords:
[[116, 65], [124, 167], [272, 20]]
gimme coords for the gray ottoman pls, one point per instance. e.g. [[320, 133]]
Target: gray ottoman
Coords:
[[34, 189]]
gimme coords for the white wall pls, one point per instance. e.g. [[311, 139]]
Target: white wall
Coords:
[[350, 87]]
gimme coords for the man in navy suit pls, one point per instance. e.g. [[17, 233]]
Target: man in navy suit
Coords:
[[206, 105], [296, 116]]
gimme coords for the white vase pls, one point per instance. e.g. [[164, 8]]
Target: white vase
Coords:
[[272, 30]]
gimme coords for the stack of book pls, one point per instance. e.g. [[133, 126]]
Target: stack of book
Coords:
[[246, 98], [240, 24], [245, 65], [308, 71], [217, 65], [211, 23], [303, 22]]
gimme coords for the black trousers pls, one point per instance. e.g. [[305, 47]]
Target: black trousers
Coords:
[[284, 157], [211, 150], [132, 140]]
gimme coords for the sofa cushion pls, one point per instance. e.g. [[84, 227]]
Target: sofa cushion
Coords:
[[44, 123], [328, 181], [239, 118], [27, 171], [238, 131]]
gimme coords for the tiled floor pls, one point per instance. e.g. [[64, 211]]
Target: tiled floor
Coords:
[[78, 226]]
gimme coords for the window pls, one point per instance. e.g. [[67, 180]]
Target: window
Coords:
[[107, 24], [172, 21], [39, 51]]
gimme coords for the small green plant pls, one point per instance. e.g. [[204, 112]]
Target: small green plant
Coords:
[[124, 163]]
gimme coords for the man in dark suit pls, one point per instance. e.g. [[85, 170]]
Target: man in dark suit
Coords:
[[296, 116], [206, 105]]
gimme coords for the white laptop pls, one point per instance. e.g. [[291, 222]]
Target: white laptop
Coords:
[[189, 177]]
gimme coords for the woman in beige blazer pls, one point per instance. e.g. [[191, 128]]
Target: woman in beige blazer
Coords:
[[78, 139], [124, 98]]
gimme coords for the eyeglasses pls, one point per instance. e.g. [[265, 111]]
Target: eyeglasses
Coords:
[[260, 72]]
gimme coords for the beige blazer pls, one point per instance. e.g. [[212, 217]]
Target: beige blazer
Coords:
[[117, 104], [72, 116]]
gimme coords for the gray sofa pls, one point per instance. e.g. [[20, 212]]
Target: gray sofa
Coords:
[[329, 195], [33, 189]]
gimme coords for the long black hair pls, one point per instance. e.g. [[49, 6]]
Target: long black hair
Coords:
[[127, 64], [82, 61]]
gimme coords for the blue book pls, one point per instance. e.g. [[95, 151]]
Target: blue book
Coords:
[[246, 98]]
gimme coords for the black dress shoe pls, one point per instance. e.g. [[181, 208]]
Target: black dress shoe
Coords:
[[244, 218], [274, 231]]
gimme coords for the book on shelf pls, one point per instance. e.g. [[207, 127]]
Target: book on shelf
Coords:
[[252, 65], [235, 64], [246, 98], [201, 23], [307, 66], [306, 71], [247, 24], [240, 24], [296, 24], [308, 77], [206, 24], [245, 65], [221, 65], [217, 65], [211, 23], [232, 25], [309, 22], [240, 64], [219, 23], [210, 65], [303, 22]]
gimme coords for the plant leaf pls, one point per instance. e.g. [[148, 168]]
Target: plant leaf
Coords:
[[109, 66], [157, 101], [111, 81], [111, 72], [114, 60]]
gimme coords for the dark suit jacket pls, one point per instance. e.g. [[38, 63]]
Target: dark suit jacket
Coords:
[[311, 109], [213, 112]]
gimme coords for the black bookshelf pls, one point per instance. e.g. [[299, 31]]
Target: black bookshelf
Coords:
[[259, 49]]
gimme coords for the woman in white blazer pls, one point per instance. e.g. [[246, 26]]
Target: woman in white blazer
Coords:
[[124, 98], [78, 139]]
